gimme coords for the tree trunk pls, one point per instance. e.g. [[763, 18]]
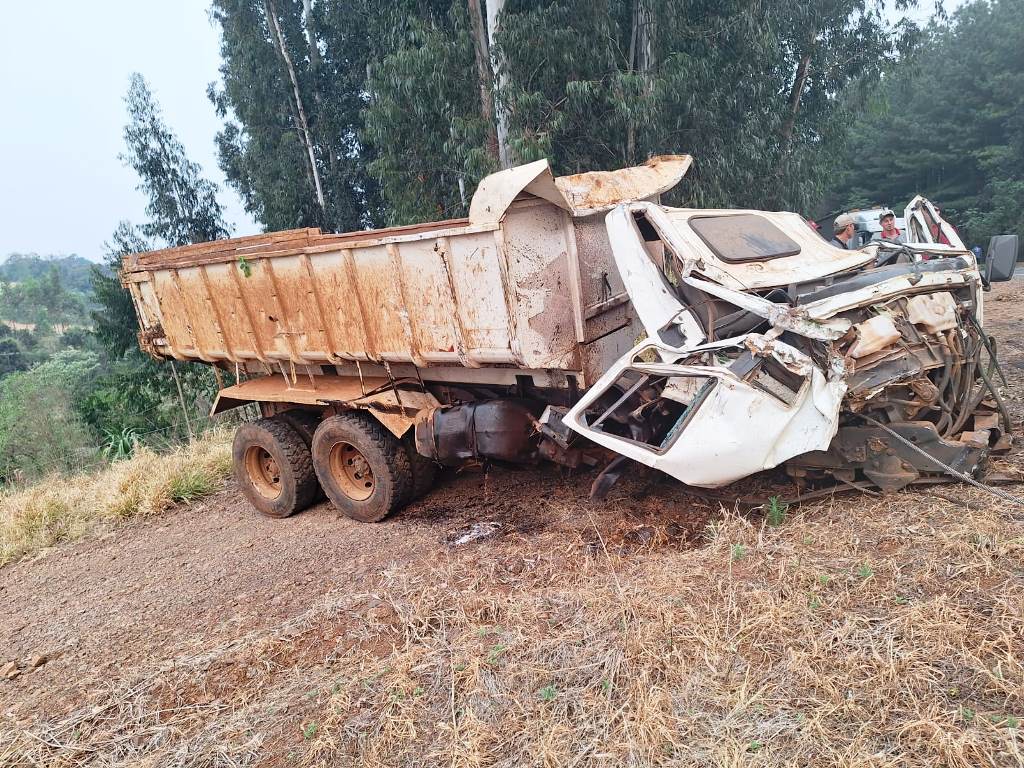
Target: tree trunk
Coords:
[[641, 59], [494, 8], [307, 137], [314, 49], [312, 38], [484, 75], [795, 95]]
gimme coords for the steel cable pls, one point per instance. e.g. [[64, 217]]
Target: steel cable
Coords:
[[954, 472]]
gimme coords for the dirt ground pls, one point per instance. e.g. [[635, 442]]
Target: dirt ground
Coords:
[[235, 619]]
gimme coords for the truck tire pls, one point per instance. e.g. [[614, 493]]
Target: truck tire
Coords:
[[424, 470], [305, 423], [273, 467], [363, 468]]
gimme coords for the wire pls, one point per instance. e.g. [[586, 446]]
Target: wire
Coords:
[[954, 472]]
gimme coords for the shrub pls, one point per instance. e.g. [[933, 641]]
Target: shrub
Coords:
[[40, 430], [67, 507]]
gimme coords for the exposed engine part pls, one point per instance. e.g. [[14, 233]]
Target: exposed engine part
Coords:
[[550, 425], [561, 445], [889, 463]]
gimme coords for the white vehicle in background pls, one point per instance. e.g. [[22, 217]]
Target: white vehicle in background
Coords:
[[867, 227], [926, 225]]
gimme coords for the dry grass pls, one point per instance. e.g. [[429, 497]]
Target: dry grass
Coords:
[[889, 636], [884, 632], [61, 508]]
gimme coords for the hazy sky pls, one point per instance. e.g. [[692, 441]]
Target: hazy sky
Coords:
[[64, 70]]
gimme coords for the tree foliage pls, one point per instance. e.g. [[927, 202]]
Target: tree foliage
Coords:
[[12, 357], [135, 392], [425, 118], [42, 301], [40, 430], [263, 145], [751, 90], [73, 270], [182, 205], [759, 93], [949, 124], [114, 323]]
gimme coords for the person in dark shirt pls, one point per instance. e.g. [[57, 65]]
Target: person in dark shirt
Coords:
[[843, 231]]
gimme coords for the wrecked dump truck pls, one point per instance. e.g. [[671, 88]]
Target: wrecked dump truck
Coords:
[[577, 320]]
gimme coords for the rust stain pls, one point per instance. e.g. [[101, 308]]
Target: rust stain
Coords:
[[604, 189]]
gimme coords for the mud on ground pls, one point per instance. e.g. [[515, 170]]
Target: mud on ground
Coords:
[[506, 620]]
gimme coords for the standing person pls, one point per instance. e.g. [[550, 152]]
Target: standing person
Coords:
[[843, 231], [889, 231]]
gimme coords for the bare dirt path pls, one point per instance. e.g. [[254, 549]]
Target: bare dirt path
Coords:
[[207, 573], [162, 594]]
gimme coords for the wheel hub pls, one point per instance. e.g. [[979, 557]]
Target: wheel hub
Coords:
[[263, 472], [352, 472]]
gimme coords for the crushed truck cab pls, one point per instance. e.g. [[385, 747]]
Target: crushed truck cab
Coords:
[[766, 344], [577, 320]]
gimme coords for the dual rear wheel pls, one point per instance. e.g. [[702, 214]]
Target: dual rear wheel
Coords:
[[273, 467], [282, 463]]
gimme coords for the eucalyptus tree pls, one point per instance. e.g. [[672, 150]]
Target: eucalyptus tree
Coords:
[[294, 86], [428, 120], [181, 205]]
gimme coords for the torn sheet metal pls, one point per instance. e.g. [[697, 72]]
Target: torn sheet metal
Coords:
[[816, 258], [581, 194], [735, 430], [598, 191], [663, 316], [926, 225]]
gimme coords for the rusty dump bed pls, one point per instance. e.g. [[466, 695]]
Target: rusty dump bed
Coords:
[[528, 281]]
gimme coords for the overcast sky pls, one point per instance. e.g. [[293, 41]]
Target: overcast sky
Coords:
[[64, 70]]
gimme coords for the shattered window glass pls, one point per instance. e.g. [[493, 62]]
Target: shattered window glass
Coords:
[[743, 237]]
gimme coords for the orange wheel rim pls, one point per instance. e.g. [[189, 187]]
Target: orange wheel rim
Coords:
[[263, 471], [351, 471]]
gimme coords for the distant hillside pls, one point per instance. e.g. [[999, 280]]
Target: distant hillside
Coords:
[[48, 292], [73, 270]]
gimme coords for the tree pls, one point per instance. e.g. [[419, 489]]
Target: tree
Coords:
[[434, 136], [949, 124], [115, 324], [11, 357], [294, 85], [40, 430], [134, 391], [182, 206], [761, 94]]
